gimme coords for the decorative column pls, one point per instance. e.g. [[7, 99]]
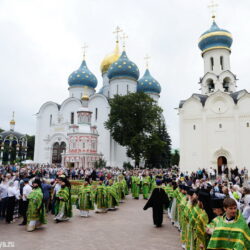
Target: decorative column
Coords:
[[9, 153], [17, 151], [1, 153]]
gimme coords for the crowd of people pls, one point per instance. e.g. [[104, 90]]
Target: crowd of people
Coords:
[[211, 212]]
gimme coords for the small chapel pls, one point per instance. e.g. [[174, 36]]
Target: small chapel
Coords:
[[215, 123], [73, 132]]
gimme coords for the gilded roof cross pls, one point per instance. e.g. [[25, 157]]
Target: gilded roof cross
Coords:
[[84, 48], [146, 58], [124, 37], [117, 31], [213, 6]]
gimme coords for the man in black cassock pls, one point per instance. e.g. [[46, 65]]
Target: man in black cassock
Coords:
[[157, 201]]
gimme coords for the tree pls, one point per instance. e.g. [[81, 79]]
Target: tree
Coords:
[[1, 130], [175, 159], [31, 146], [100, 164], [132, 121], [159, 148]]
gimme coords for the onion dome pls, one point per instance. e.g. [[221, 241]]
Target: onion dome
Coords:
[[215, 38], [148, 84], [82, 77], [123, 68], [110, 58]]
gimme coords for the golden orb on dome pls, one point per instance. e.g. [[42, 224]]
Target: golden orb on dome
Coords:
[[110, 58], [12, 122]]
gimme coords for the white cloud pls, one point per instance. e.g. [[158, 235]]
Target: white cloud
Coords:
[[41, 43]]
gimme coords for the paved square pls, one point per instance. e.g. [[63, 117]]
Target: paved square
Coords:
[[129, 228]]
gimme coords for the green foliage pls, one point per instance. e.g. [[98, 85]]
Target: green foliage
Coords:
[[175, 158], [159, 148], [100, 164], [132, 122], [1, 130], [31, 146], [127, 166]]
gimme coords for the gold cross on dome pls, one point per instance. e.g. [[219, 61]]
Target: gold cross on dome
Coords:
[[84, 48], [146, 58], [213, 6], [117, 31], [124, 37]]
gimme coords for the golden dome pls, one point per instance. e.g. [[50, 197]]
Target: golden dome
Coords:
[[12, 122], [110, 58]]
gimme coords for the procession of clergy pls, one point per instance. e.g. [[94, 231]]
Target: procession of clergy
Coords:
[[209, 215], [86, 195]]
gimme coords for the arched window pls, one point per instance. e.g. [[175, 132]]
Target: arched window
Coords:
[[222, 63], [248, 125], [50, 120], [96, 113], [194, 127], [210, 85], [72, 118], [220, 125], [226, 83], [212, 63]]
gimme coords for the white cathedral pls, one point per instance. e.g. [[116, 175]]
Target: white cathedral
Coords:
[[73, 133], [215, 124]]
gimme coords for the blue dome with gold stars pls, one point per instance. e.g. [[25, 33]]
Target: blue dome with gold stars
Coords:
[[148, 84], [82, 77], [215, 38], [123, 67]]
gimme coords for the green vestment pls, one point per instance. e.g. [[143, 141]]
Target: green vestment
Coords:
[[64, 205], [230, 234], [36, 208], [86, 198]]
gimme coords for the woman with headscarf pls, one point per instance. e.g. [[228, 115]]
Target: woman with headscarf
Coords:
[[63, 206], [36, 208]]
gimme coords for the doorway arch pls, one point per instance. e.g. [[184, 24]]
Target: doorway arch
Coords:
[[57, 151], [222, 160]]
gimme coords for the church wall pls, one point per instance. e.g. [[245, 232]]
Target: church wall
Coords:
[[154, 97], [45, 119], [71, 105], [100, 104], [244, 137], [216, 54], [122, 87], [120, 155], [191, 143], [221, 135], [78, 92], [244, 131], [224, 133]]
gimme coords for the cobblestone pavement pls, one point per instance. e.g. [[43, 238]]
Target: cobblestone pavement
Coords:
[[128, 228]]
